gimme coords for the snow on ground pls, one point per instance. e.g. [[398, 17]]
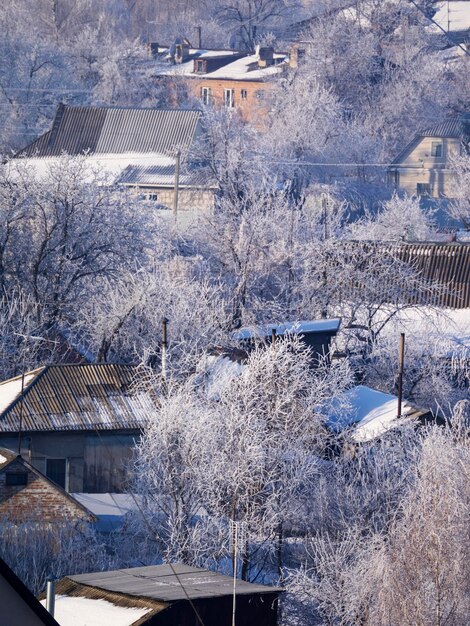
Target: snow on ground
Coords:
[[217, 373], [2, 459], [11, 389], [450, 327], [70, 611]]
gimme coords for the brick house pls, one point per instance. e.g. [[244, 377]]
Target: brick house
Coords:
[[28, 495], [224, 78], [79, 423]]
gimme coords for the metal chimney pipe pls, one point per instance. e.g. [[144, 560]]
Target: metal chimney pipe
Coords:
[[401, 362], [164, 345], [50, 595]]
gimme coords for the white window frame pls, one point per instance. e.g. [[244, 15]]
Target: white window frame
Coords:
[[229, 98], [206, 95]]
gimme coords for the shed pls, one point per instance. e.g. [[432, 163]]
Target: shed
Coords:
[[369, 413], [78, 422], [162, 595], [317, 334]]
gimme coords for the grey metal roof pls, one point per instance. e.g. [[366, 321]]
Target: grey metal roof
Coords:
[[164, 176], [159, 582], [457, 127], [113, 130], [76, 397]]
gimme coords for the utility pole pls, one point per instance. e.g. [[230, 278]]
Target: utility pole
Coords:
[[177, 185], [401, 362]]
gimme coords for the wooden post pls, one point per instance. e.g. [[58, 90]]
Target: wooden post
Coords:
[[164, 345], [401, 361], [177, 185], [273, 338]]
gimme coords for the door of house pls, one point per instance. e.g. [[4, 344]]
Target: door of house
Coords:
[[56, 470]]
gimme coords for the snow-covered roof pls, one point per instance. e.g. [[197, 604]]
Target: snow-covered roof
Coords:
[[162, 175], [109, 508], [244, 68], [76, 611], [305, 327], [370, 413], [11, 389], [453, 15]]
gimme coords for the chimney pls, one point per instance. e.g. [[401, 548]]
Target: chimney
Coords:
[[182, 47], [265, 56], [296, 54]]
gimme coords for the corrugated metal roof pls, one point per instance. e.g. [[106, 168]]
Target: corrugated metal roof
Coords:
[[443, 269], [78, 397], [457, 127], [159, 582], [164, 176], [112, 130]]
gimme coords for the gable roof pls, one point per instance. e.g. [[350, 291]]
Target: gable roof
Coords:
[[115, 130], [8, 457], [30, 605], [94, 396], [457, 127]]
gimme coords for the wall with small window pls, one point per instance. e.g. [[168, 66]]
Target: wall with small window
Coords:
[[424, 168], [250, 98], [25, 495]]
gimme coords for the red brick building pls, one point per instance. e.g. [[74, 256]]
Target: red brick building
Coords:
[[28, 495], [224, 78]]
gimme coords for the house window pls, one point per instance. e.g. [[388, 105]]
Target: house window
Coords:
[[14, 479], [244, 94], [436, 149], [205, 96], [229, 98], [423, 189], [200, 67], [56, 470], [152, 196]]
